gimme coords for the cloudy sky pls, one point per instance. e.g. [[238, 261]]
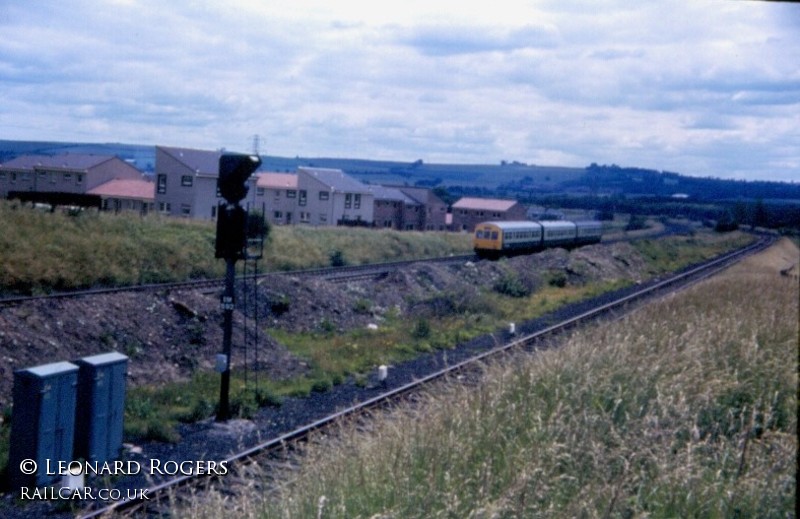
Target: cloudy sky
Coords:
[[700, 87]]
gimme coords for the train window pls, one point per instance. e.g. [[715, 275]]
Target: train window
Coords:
[[479, 234], [494, 235]]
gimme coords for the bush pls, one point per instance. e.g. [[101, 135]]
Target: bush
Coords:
[[557, 279], [511, 285], [422, 329], [337, 259]]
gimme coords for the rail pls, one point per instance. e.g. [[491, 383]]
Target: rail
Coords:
[[674, 282]]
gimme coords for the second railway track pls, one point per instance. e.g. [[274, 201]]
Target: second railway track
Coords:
[[528, 334]]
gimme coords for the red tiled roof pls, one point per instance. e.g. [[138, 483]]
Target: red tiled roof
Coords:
[[124, 188], [486, 204], [277, 180]]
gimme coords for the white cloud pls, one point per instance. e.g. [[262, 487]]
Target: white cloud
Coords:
[[707, 87]]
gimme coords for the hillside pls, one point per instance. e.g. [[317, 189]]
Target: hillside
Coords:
[[506, 179]]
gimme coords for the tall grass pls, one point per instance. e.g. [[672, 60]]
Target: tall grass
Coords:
[[685, 409], [42, 251]]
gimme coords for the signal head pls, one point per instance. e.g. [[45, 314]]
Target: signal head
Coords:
[[234, 171]]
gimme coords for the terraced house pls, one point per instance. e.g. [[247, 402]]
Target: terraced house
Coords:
[[331, 197], [76, 179], [186, 182]]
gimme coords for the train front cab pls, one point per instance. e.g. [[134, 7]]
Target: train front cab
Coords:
[[488, 240]]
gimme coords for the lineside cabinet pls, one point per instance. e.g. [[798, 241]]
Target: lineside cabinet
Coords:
[[43, 421], [101, 396]]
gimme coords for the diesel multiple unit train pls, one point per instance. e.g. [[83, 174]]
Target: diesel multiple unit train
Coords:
[[495, 239]]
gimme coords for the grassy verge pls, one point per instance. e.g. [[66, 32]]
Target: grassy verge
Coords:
[[673, 253], [685, 409], [42, 251]]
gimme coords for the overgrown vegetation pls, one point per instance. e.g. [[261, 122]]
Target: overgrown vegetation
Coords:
[[673, 253], [687, 408], [440, 321], [153, 413], [42, 252]]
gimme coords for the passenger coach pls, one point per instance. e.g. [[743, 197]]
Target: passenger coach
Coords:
[[494, 239]]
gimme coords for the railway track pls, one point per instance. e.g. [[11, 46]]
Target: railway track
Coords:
[[608, 307], [335, 274]]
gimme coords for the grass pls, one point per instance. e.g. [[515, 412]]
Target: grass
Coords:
[[687, 408], [673, 253], [455, 317], [42, 252], [152, 413]]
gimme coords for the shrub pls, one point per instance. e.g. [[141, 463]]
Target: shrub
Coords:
[[422, 329], [557, 279], [511, 285], [337, 259]]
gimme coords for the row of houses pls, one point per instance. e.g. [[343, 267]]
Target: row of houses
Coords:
[[185, 185]]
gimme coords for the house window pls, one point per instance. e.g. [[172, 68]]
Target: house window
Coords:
[[79, 178], [13, 177], [305, 217], [357, 202], [302, 200], [187, 180], [348, 201], [278, 215], [323, 218], [186, 209], [259, 191], [2, 175], [164, 207], [291, 193], [162, 184], [67, 176], [324, 195]]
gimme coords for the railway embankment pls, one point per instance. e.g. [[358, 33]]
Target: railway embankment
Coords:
[[684, 408]]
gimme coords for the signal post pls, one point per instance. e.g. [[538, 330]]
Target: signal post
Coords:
[[231, 245]]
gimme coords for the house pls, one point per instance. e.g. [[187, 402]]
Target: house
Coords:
[[186, 182], [433, 212], [468, 212], [122, 194], [276, 193], [395, 209], [63, 176], [330, 197]]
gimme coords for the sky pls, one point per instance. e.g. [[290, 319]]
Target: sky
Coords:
[[698, 87]]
